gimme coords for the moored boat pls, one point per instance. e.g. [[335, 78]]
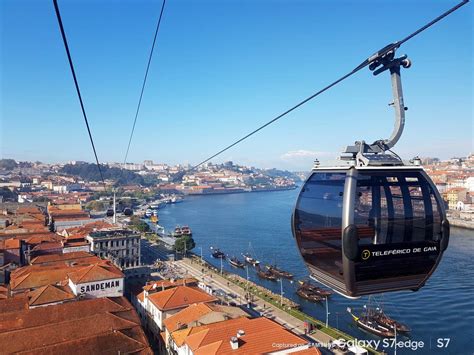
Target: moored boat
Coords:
[[186, 230], [217, 253], [278, 272], [177, 232], [308, 295], [236, 262], [368, 322], [248, 259], [385, 321], [317, 290], [266, 275]]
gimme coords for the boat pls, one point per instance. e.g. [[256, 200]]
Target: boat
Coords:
[[148, 212], [315, 289], [308, 295], [248, 259], [368, 322], [267, 275], [385, 321], [236, 262], [186, 230], [278, 272], [178, 232], [156, 205], [175, 199], [217, 253]]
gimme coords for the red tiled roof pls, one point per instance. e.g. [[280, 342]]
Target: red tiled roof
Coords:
[[178, 297], [164, 284], [78, 256], [98, 272], [260, 336], [10, 244], [101, 326], [50, 294]]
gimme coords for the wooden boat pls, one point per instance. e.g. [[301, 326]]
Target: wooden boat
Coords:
[[318, 290], [236, 262], [217, 253], [368, 322], [308, 295], [266, 274], [385, 321], [248, 259], [278, 272]]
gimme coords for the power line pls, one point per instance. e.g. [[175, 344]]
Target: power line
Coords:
[[63, 34], [368, 61], [144, 81]]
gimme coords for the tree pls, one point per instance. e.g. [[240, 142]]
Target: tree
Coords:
[[138, 224], [180, 243], [8, 164]]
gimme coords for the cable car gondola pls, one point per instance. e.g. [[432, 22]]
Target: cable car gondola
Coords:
[[375, 224]]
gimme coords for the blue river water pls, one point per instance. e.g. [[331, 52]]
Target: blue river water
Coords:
[[443, 309]]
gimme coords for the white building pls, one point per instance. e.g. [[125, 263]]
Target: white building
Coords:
[[122, 246]]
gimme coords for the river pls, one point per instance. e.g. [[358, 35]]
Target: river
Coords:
[[443, 309]]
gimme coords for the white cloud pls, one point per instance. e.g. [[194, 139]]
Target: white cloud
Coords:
[[306, 154]]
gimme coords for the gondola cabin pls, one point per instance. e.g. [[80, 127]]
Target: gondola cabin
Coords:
[[370, 229]]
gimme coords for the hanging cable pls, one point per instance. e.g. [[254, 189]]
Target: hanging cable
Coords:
[[63, 34], [144, 82], [368, 61]]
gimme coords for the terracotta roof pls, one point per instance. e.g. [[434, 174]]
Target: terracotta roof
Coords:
[[10, 244], [202, 313], [98, 272], [50, 294], [179, 297], [187, 315], [260, 336], [13, 304], [45, 246], [101, 326], [79, 270], [77, 256], [164, 284], [37, 278]]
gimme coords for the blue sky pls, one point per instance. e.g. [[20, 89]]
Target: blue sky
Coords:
[[222, 68]]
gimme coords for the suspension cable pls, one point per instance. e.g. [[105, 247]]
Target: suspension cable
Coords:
[[144, 82], [368, 61], [63, 34]]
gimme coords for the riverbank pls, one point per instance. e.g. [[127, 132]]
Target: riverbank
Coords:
[[461, 223], [266, 302], [224, 191]]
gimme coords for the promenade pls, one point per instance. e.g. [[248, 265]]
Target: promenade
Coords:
[[260, 306]]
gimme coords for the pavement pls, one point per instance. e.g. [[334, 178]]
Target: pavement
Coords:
[[262, 307], [189, 268]]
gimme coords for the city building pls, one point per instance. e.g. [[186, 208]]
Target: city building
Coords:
[[239, 336], [159, 303], [80, 274], [121, 246], [90, 326]]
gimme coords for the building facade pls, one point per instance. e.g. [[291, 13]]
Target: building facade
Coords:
[[121, 246]]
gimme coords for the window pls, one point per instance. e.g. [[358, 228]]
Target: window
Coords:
[[318, 221], [397, 208]]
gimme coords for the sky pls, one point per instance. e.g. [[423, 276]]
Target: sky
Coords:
[[221, 69]]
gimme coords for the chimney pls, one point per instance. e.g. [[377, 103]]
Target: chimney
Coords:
[[240, 333], [234, 343]]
